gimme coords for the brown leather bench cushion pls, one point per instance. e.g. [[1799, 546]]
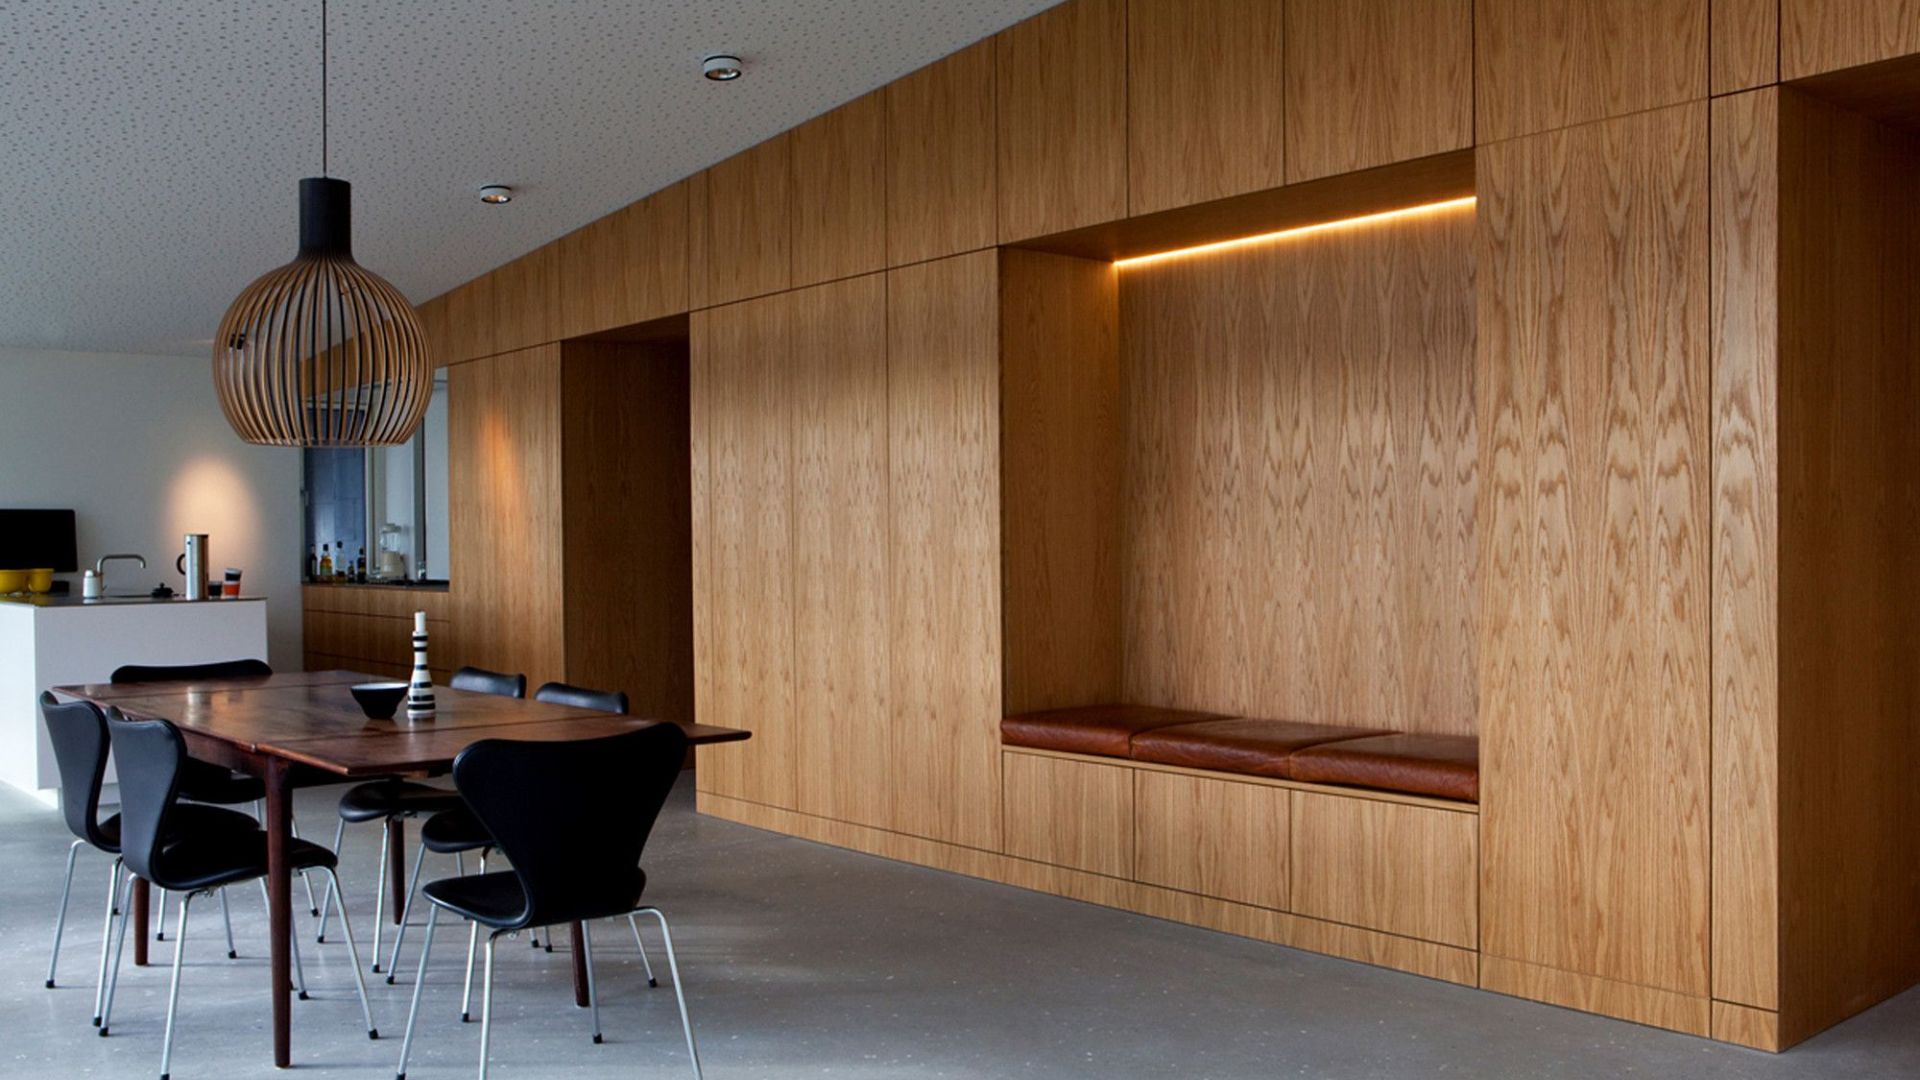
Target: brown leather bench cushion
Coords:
[[1254, 747], [1100, 729], [1444, 766]]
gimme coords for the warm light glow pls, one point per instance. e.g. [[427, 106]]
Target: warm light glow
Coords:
[[211, 495], [1300, 230]]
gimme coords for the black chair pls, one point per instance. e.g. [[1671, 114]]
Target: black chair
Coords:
[[392, 801], [157, 845], [78, 733], [556, 693], [482, 681], [572, 818]]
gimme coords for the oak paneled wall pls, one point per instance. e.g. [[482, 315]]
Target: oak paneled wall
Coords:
[[840, 192], [1545, 64], [1061, 112], [1849, 510], [841, 624], [1744, 44], [1061, 462], [1370, 82], [943, 468], [503, 438], [1594, 394], [627, 267], [744, 239], [941, 187], [1204, 97], [1826, 35], [1302, 476], [1746, 554]]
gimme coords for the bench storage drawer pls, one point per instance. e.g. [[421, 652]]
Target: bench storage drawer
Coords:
[[1219, 838], [1069, 813], [1402, 868]]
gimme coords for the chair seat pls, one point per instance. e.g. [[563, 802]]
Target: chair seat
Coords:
[[1443, 766], [395, 798], [1251, 746], [496, 900], [451, 831], [210, 860], [205, 782], [188, 819], [1107, 730]]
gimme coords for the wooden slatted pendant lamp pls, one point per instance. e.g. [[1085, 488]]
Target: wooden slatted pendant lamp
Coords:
[[322, 351]]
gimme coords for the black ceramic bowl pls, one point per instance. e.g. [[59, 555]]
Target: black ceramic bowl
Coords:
[[379, 700]]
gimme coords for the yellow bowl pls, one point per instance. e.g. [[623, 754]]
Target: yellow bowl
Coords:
[[12, 580], [40, 580]]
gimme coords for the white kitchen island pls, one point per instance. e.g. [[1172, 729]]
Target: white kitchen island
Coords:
[[48, 641]]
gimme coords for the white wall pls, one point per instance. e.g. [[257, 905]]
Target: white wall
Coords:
[[138, 448]]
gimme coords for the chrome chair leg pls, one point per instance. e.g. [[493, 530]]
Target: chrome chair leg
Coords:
[[119, 950], [648, 964], [473, 941], [679, 994], [332, 891], [406, 912], [306, 878], [173, 990], [106, 940], [419, 980], [226, 914], [486, 1008], [380, 895], [60, 920], [593, 996], [353, 954], [160, 916]]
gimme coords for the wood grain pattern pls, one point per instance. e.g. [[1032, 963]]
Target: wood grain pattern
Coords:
[[470, 321], [1213, 837], [748, 238], [526, 300], [943, 434], [1545, 64], [436, 329], [1204, 100], [940, 158], [1370, 82], [1595, 572], [1625, 1001], [1069, 813], [503, 483], [627, 267], [1849, 621], [628, 543], [1301, 478], [1746, 553], [700, 518], [1061, 107], [748, 392], [1368, 794], [698, 287], [1825, 35], [392, 601], [844, 755], [840, 192], [1061, 456], [1756, 1028], [1401, 869], [1744, 44]]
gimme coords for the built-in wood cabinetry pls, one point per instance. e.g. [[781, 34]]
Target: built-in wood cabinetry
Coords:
[[1744, 44], [370, 628], [1825, 35], [1213, 836], [1064, 812], [840, 192], [941, 189], [1061, 104], [1546, 64], [627, 267], [743, 237]]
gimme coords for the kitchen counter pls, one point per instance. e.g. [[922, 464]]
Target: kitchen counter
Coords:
[[381, 586], [75, 600]]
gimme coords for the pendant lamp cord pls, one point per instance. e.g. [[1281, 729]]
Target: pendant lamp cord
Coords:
[[323, 87]]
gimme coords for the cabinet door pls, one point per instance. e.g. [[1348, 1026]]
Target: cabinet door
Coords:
[[843, 750], [748, 239], [1826, 35], [943, 436], [1545, 64], [1223, 838], [840, 192], [627, 267], [1062, 108], [1070, 813], [940, 158], [1370, 82], [1407, 870], [1204, 82], [747, 410]]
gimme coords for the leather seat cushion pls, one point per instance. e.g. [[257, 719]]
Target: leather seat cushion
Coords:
[[1443, 766], [210, 860], [379, 799], [205, 782], [1252, 746], [1107, 730], [451, 831]]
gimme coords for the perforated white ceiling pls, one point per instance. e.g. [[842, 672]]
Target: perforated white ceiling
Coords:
[[150, 150]]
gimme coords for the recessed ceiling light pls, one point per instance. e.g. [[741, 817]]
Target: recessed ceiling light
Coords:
[[495, 194], [721, 68]]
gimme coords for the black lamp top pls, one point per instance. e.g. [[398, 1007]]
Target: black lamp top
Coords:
[[326, 217]]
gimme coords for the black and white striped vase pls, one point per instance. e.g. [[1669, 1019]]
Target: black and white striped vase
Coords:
[[420, 687]]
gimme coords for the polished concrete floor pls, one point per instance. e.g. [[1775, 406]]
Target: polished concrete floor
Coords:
[[803, 960]]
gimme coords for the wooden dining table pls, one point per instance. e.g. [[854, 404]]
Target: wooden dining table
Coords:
[[303, 729]]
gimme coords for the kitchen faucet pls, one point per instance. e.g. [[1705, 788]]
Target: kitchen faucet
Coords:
[[100, 566]]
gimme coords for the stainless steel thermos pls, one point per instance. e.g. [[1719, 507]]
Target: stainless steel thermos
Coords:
[[193, 564]]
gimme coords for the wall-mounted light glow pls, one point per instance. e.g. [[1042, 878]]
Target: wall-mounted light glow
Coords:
[[1299, 230]]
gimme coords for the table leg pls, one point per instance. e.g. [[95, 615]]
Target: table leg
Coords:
[[140, 902], [579, 966], [280, 907], [397, 868]]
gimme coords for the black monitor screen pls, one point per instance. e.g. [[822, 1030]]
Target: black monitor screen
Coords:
[[31, 539]]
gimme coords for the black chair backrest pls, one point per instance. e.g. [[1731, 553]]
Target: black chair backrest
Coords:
[[78, 732], [148, 755], [573, 817], [223, 669], [559, 693], [482, 681]]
